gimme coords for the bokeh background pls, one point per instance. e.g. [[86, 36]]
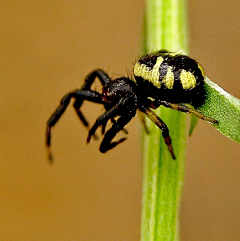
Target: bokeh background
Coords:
[[46, 50]]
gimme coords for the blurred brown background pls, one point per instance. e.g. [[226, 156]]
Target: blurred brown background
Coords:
[[46, 50]]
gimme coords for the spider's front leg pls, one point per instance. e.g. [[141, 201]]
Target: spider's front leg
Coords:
[[89, 80], [107, 143], [77, 94], [117, 125]]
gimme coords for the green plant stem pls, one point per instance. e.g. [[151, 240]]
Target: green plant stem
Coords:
[[165, 28]]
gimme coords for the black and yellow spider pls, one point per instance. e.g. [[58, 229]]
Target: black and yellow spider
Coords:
[[161, 78]]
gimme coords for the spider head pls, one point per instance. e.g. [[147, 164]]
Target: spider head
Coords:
[[120, 90]]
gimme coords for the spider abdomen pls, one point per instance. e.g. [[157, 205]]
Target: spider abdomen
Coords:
[[171, 77]]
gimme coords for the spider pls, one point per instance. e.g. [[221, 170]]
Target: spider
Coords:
[[160, 78]]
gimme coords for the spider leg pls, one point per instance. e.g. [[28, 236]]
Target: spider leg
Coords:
[[82, 94], [104, 79], [107, 143], [121, 107], [104, 127], [142, 119], [125, 131], [186, 109], [165, 132], [82, 117], [102, 120]]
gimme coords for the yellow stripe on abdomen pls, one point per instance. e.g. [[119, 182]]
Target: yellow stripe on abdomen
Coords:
[[151, 75], [187, 80]]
